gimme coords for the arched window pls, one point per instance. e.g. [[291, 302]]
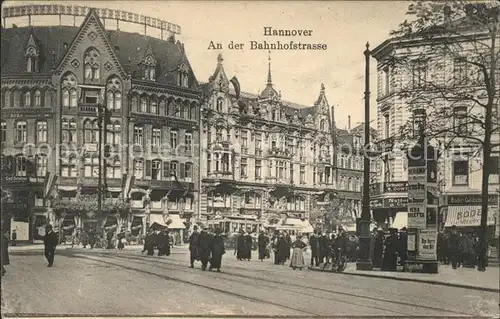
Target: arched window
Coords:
[[183, 79], [38, 98], [65, 98], [41, 165], [31, 59], [114, 133], [136, 107], [220, 105], [27, 99], [95, 132], [7, 99], [69, 87], [154, 106], [114, 96], [87, 131], [144, 104], [322, 125], [73, 98], [92, 65]]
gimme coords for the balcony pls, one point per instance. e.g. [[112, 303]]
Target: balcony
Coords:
[[227, 175], [88, 108], [276, 152]]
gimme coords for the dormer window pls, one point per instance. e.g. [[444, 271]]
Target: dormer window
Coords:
[[149, 68], [183, 77], [92, 65], [220, 105], [31, 59]]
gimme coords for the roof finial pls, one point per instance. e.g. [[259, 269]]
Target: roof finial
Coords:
[[322, 88], [269, 82], [220, 58]]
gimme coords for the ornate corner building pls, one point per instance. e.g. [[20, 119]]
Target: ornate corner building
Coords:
[[264, 158], [56, 80]]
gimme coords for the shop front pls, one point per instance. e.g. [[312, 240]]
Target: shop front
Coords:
[[464, 212]]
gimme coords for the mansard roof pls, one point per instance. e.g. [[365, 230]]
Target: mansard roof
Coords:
[[130, 49]]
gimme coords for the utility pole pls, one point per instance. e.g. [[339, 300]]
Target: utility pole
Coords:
[[364, 262]]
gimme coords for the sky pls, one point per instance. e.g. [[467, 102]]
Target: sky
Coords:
[[344, 26]]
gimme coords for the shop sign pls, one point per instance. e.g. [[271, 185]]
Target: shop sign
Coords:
[[411, 244], [470, 199], [16, 179], [417, 216], [15, 206], [417, 174], [396, 202], [472, 217], [427, 245], [395, 187], [376, 203]]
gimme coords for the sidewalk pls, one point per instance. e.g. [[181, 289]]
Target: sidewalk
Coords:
[[461, 278]]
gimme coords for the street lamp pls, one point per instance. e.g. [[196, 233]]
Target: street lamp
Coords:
[[103, 119], [364, 262]]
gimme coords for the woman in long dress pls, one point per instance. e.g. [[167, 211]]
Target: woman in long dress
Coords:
[[297, 260], [217, 250]]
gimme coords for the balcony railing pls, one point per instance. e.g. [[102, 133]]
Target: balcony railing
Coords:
[[88, 108], [276, 152], [221, 175]]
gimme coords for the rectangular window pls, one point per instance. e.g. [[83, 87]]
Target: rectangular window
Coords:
[[173, 139], [41, 128], [386, 81], [302, 174], [156, 138], [460, 72], [41, 166], [258, 144], [138, 135], [188, 140], [460, 120], [419, 117], [188, 172], [91, 97], [174, 169], [21, 166], [21, 132], [4, 132], [419, 74], [493, 165], [258, 169], [156, 170], [138, 169], [314, 175], [209, 162], [460, 171], [243, 167], [387, 126]]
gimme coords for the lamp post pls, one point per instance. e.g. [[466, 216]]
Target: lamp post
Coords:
[[102, 115], [364, 262]]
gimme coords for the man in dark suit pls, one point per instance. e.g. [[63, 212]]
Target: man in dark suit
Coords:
[[194, 246], [315, 248], [50, 241]]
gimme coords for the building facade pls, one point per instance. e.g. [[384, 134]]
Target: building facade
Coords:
[[57, 81], [427, 75], [267, 159]]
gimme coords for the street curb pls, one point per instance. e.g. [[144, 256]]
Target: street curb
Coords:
[[431, 282]]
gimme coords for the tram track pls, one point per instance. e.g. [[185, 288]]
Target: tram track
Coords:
[[173, 265]]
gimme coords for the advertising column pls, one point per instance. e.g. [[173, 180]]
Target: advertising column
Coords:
[[422, 209]]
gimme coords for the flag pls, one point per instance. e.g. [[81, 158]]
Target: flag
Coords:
[[236, 85]]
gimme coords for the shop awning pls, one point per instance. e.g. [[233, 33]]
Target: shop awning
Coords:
[[469, 216], [157, 218], [302, 225], [176, 222], [401, 220]]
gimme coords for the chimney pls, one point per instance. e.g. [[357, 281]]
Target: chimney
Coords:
[[447, 13], [348, 122]]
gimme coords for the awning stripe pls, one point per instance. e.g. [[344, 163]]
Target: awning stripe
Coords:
[[468, 216]]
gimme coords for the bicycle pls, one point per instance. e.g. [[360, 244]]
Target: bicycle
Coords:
[[339, 262]]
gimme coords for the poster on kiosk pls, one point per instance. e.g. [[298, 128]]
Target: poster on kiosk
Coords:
[[422, 209]]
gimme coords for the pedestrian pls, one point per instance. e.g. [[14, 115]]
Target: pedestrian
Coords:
[[403, 245], [92, 238], [194, 246], [263, 240], [149, 244], [469, 251], [205, 248], [378, 249], [163, 243], [454, 246], [390, 260], [217, 250], [14, 238], [297, 260], [288, 239], [5, 252], [281, 250], [248, 246], [240, 247], [84, 238], [50, 241], [121, 241], [109, 237], [324, 249], [315, 248]]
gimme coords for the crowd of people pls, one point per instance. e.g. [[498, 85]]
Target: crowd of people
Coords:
[[387, 252], [459, 249], [206, 247], [157, 240]]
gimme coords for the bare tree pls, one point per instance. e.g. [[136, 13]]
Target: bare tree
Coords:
[[448, 60]]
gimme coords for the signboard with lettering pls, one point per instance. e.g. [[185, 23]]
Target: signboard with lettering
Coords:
[[470, 199], [417, 216], [471, 216], [397, 202], [376, 203], [417, 174], [427, 245], [395, 187]]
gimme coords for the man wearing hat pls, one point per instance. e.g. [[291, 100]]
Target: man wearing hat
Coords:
[[50, 242], [205, 247], [454, 246], [217, 250], [194, 246]]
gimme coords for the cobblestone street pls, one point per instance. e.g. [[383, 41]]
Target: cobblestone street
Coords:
[[84, 282]]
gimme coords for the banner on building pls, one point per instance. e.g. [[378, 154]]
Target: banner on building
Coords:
[[427, 245], [417, 216]]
